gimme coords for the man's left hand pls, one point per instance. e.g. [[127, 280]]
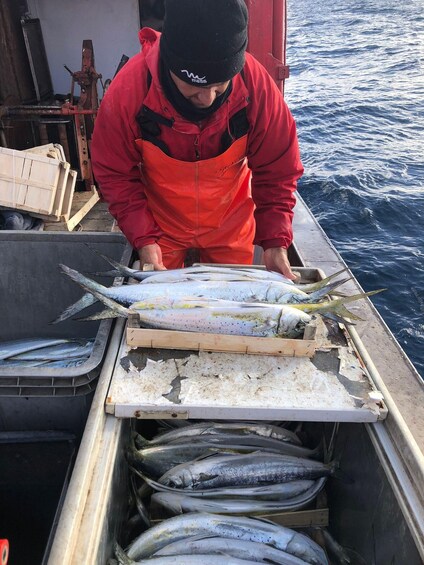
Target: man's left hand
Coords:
[[276, 259]]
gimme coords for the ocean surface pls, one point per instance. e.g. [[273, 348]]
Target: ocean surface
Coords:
[[356, 90]]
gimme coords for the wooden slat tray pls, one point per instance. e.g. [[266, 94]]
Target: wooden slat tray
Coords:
[[196, 341], [137, 336]]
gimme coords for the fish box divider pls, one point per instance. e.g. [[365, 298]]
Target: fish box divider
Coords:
[[198, 341]]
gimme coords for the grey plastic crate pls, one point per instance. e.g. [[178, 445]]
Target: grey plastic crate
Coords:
[[34, 291]]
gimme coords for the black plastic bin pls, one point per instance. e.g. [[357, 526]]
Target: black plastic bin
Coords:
[[33, 292]]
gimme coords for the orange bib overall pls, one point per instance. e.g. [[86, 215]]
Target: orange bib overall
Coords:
[[205, 205]]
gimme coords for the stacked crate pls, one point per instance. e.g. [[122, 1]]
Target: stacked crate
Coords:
[[41, 182]]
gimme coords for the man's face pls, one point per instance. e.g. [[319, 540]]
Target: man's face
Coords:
[[200, 96]]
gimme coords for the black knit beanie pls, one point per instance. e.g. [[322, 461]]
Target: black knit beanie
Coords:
[[203, 41]]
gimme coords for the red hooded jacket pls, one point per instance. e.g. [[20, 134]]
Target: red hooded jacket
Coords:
[[272, 150]]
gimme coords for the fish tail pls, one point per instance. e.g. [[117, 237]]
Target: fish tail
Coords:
[[119, 268], [139, 441], [96, 289], [327, 289], [111, 273], [336, 308], [312, 287], [121, 556], [87, 300], [337, 473], [106, 314]]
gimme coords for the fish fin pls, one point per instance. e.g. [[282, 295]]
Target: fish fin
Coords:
[[335, 307], [337, 473], [121, 556], [112, 273], [105, 314], [96, 289], [141, 508], [335, 318], [87, 300], [139, 441], [325, 290], [312, 287], [120, 270]]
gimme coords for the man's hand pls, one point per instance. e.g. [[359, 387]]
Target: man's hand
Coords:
[[276, 259], [151, 254]]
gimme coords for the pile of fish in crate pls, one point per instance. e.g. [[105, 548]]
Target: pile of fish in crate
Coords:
[[45, 352], [201, 492], [215, 299]]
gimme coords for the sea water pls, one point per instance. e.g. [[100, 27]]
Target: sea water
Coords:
[[356, 90]]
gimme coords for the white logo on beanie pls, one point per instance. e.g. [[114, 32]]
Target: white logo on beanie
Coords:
[[194, 78]]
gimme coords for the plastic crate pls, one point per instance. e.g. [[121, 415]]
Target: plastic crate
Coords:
[[34, 291]]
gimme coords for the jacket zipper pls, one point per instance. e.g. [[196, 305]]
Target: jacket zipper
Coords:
[[196, 148]]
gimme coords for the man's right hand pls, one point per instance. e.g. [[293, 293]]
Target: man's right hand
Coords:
[[151, 254]]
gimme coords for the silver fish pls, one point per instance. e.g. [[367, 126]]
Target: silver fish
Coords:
[[206, 272], [12, 348], [250, 529], [252, 469], [67, 363], [275, 491], [257, 290], [208, 428], [195, 314], [222, 317], [182, 559], [182, 503], [257, 443], [73, 348], [257, 552], [157, 460], [14, 363]]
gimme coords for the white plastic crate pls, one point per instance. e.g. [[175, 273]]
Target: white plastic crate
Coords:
[[28, 181]]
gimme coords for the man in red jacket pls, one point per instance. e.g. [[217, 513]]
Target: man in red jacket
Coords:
[[194, 146]]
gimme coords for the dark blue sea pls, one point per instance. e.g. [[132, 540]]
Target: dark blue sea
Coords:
[[356, 90]]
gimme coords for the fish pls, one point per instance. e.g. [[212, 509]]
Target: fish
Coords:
[[214, 315], [207, 272], [242, 549], [156, 460], [183, 559], [274, 491], [257, 468], [141, 509], [15, 363], [240, 527], [180, 503], [259, 443], [258, 291], [71, 349], [208, 428], [18, 346]]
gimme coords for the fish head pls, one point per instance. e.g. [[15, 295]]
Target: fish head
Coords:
[[175, 481]]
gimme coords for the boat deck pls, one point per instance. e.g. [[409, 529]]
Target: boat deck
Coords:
[[394, 374]]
